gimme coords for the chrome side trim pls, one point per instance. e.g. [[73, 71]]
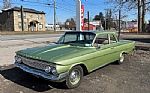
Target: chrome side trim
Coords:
[[41, 73]]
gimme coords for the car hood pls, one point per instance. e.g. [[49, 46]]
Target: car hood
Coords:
[[55, 53]]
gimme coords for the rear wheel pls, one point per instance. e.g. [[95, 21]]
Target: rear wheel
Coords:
[[74, 78], [121, 59]]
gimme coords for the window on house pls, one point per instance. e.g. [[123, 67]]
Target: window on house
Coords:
[[8, 13], [40, 26], [19, 25], [19, 15], [31, 16], [41, 18], [25, 25], [24, 15], [38, 17]]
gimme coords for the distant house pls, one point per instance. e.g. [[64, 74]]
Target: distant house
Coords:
[[33, 20], [93, 25], [132, 26], [50, 27]]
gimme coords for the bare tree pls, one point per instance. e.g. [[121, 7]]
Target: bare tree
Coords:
[[143, 6]]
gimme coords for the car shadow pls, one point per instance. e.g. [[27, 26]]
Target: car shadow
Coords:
[[22, 78]]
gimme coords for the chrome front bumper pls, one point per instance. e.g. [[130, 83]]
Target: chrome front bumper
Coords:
[[40, 73]]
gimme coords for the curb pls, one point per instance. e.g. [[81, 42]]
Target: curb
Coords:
[[140, 47]]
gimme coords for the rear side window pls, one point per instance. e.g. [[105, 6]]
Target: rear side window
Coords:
[[112, 39], [102, 39]]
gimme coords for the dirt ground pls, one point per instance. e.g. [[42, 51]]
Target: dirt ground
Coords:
[[133, 76]]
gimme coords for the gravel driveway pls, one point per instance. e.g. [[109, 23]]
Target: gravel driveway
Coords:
[[133, 76]]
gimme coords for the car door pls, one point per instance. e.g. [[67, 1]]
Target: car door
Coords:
[[104, 52], [115, 52]]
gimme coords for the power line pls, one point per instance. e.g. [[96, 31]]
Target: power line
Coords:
[[67, 9], [36, 2], [30, 4], [66, 4], [69, 3]]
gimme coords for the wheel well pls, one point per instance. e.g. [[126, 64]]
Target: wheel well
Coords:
[[124, 52], [85, 71]]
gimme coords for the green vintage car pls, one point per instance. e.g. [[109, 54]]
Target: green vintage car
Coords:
[[73, 56]]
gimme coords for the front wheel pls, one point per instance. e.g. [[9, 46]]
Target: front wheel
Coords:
[[74, 78]]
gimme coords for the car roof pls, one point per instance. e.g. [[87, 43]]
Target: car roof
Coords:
[[95, 32]]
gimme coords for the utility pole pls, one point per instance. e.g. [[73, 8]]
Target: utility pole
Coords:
[[143, 15], [22, 19], [88, 14], [54, 15], [119, 24], [78, 15], [139, 16]]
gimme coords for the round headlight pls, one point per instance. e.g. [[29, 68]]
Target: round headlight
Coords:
[[54, 71], [48, 69], [18, 59]]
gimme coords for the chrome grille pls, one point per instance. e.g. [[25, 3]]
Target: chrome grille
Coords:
[[34, 63]]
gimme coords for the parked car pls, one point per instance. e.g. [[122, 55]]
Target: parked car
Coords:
[[73, 56]]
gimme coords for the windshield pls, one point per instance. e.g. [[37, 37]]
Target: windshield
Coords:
[[85, 38]]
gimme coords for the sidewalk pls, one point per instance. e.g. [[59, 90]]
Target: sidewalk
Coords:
[[142, 41], [143, 46]]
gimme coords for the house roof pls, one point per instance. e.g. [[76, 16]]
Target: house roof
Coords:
[[25, 10]]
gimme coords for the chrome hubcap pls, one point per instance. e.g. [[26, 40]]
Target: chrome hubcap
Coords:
[[121, 58], [75, 76]]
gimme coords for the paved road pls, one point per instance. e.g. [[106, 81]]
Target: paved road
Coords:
[[23, 37], [9, 44]]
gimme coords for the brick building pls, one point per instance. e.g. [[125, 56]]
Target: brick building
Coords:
[[33, 20]]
